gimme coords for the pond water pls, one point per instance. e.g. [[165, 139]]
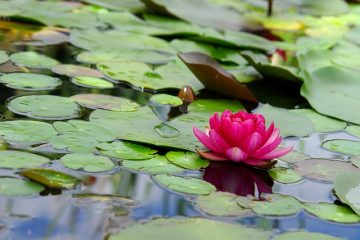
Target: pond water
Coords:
[[102, 204]]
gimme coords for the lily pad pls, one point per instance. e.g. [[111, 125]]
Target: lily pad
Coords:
[[156, 165], [353, 130], [46, 37], [322, 123], [51, 178], [18, 160], [323, 169], [30, 81], [355, 161], [284, 175], [92, 82], [290, 124], [26, 131], [343, 146], [187, 185], [166, 99], [190, 228], [347, 188], [87, 162], [276, 205], [221, 204], [3, 57], [302, 235], [188, 160], [294, 156], [71, 70], [126, 150], [124, 5], [74, 142], [33, 60], [47, 107], [332, 212], [107, 102], [18, 187]]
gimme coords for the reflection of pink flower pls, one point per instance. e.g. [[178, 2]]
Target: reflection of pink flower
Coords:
[[241, 137], [238, 179]]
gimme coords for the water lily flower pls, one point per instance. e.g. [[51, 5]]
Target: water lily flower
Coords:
[[241, 137]]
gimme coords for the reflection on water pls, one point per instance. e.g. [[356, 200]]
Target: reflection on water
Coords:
[[58, 215]]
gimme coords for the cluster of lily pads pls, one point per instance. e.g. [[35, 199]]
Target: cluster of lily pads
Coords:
[[312, 45]]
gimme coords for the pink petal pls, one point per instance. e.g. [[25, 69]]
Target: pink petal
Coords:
[[218, 141], [268, 132], [204, 139], [236, 154], [267, 148], [260, 163], [211, 156], [214, 122], [277, 153], [248, 127], [251, 143], [275, 135], [226, 130]]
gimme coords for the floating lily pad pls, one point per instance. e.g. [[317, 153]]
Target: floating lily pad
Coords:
[[32, 60], [126, 150], [100, 101], [166, 99], [92, 82], [332, 212], [347, 188], [124, 5], [284, 175], [51, 178], [190, 228], [290, 124], [188, 160], [188, 185], [353, 130], [294, 156], [221, 204], [18, 160], [301, 235], [3, 57], [30, 81], [45, 107], [18, 187], [87, 162], [70, 70], [156, 165], [74, 142], [355, 161], [322, 123], [26, 132], [343, 146], [276, 205], [323, 169], [46, 37]]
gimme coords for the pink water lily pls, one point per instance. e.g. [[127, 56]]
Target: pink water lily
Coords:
[[241, 137]]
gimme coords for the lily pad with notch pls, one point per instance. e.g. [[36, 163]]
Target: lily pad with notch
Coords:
[[126, 150], [276, 205], [284, 175], [188, 160], [87, 162]]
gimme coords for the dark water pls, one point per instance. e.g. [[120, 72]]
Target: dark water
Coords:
[[62, 215]]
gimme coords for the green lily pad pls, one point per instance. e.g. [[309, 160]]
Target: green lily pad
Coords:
[[30, 81], [301, 235], [166, 99], [71, 70], [33, 60], [191, 46], [290, 124], [87, 162], [3, 56], [321, 122], [107, 102], [18, 187], [355, 161], [347, 188], [187, 185], [284, 175], [156, 165], [323, 169], [353, 130], [126, 150], [45, 107], [26, 131], [92, 82], [343, 146], [51, 178], [74, 142], [294, 156], [332, 212], [84, 128], [221, 204], [188, 160], [190, 228], [276, 205], [18, 160], [124, 5]]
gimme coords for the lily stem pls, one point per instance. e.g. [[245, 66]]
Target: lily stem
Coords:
[[270, 8]]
